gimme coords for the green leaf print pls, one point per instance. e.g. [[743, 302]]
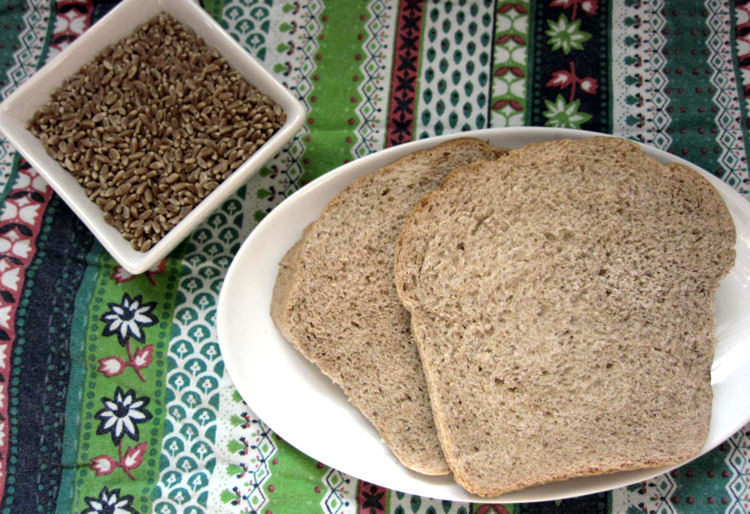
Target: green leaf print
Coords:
[[237, 421], [227, 496], [234, 469], [564, 114], [566, 35], [235, 446]]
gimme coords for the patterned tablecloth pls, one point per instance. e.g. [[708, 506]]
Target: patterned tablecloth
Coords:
[[97, 419]]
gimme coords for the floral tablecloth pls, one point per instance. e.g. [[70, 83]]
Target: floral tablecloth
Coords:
[[113, 392]]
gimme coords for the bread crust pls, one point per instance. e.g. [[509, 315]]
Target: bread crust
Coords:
[[563, 311]]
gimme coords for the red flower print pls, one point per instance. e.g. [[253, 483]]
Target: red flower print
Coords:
[[564, 78], [588, 6]]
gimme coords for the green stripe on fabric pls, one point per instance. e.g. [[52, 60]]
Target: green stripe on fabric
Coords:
[[510, 70], [332, 131], [214, 8], [294, 485], [75, 384], [146, 384], [690, 90], [690, 484]]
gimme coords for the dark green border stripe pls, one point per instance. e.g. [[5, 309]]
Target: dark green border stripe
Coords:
[[691, 106], [590, 61], [75, 384], [531, 52]]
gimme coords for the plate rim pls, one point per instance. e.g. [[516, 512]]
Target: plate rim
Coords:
[[359, 167]]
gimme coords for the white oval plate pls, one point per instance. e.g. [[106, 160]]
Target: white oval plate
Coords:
[[311, 413]]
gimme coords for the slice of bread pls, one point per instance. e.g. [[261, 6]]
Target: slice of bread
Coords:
[[336, 302], [562, 300]]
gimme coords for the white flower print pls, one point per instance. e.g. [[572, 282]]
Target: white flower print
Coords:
[[110, 502], [128, 318], [122, 414]]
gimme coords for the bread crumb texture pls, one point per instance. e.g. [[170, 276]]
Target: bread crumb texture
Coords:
[[562, 300], [336, 301]]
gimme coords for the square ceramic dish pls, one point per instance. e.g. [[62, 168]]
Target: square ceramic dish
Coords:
[[19, 107]]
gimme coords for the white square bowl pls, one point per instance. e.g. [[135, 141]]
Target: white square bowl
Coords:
[[19, 107]]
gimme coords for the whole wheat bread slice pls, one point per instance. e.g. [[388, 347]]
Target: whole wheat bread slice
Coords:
[[336, 302], [562, 301]]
